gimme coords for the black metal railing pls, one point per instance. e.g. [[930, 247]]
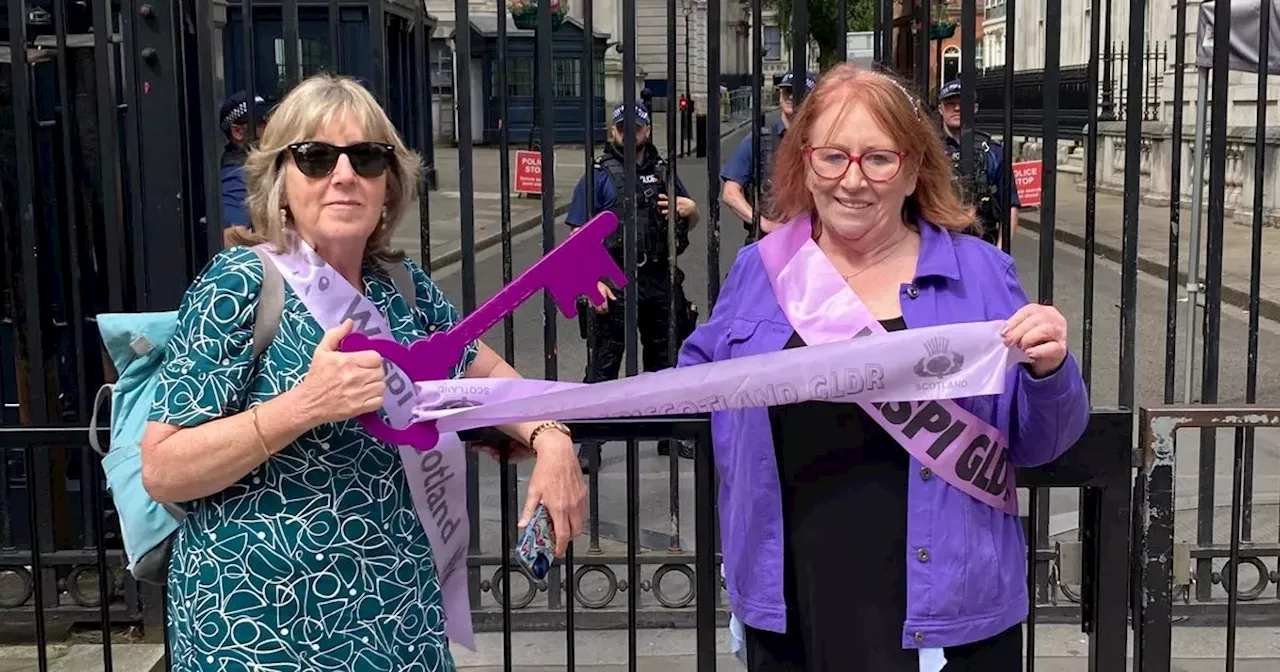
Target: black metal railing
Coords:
[[1115, 91], [1027, 97], [1164, 566]]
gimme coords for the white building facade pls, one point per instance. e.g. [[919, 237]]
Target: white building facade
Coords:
[[1160, 29]]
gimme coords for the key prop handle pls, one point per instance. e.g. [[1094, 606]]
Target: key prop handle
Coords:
[[571, 270]]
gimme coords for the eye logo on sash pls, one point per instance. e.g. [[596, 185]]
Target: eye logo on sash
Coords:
[[939, 360]]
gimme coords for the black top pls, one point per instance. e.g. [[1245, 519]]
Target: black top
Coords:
[[844, 508]]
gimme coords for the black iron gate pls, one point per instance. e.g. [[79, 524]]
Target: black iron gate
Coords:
[[109, 162]]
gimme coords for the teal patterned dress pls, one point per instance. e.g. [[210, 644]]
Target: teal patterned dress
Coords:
[[315, 560]]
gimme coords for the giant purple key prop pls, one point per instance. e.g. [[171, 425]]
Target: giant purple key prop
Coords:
[[571, 270]]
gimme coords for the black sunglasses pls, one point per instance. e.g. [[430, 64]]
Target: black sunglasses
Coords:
[[318, 159]]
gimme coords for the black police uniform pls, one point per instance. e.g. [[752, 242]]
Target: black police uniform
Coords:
[[652, 273], [975, 185]]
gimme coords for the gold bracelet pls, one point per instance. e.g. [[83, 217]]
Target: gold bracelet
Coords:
[[551, 424], [253, 412]]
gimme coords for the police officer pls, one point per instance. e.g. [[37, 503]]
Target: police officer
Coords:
[[607, 182], [233, 119], [979, 183], [739, 171]]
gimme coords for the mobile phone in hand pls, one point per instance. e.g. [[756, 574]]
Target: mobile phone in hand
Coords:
[[537, 546]]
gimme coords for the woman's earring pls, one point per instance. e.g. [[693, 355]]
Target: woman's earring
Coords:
[[284, 217], [383, 221]]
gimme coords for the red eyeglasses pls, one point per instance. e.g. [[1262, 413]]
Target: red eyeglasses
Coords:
[[832, 163]]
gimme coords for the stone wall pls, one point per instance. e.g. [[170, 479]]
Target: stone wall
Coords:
[[1156, 170]]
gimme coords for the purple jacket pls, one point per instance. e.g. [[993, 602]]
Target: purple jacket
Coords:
[[971, 584]]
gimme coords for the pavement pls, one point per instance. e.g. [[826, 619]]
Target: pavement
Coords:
[[1059, 648], [63, 657], [1154, 230]]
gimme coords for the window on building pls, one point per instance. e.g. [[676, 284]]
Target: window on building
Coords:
[[441, 68], [567, 78], [313, 55], [771, 40], [950, 64], [519, 78]]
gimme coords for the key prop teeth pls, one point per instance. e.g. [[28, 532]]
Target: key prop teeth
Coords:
[[421, 435]]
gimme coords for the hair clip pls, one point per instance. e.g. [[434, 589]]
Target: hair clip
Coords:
[[910, 99]]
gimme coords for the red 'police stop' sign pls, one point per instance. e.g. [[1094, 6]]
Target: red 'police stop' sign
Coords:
[[528, 172], [1027, 176]]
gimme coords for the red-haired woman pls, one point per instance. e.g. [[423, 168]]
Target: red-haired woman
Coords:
[[843, 549]]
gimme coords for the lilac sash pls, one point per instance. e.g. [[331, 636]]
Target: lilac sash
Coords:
[[961, 448], [437, 478], [875, 369]]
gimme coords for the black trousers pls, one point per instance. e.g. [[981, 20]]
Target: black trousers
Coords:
[[610, 330]]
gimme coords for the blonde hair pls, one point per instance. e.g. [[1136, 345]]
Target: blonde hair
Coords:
[[313, 104], [898, 114]]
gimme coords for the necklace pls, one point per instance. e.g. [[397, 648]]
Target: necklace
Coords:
[[883, 257]]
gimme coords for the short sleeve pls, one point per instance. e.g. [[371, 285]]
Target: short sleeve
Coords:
[[577, 215], [738, 168], [680, 189], [441, 315], [208, 363], [234, 210]]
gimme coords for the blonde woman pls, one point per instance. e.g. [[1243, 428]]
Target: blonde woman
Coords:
[[302, 548]]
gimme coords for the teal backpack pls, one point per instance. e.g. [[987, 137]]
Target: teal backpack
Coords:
[[136, 343]]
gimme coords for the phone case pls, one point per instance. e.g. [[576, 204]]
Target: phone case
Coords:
[[536, 549]]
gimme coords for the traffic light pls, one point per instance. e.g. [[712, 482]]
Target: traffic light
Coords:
[[684, 103]]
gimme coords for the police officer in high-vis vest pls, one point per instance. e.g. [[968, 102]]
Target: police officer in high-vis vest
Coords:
[[979, 183], [654, 289], [739, 173]]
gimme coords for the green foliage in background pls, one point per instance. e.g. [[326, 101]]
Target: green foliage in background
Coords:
[[822, 23]]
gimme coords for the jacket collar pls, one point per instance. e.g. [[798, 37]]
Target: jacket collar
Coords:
[[937, 253]]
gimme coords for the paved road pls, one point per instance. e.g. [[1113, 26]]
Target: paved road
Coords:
[[655, 515]]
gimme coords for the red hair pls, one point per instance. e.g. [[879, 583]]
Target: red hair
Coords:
[[893, 109]]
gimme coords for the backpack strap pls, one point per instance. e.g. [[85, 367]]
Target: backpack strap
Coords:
[[270, 303], [403, 280], [104, 392]]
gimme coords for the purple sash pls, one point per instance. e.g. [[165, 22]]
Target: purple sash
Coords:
[[437, 478], [961, 448]]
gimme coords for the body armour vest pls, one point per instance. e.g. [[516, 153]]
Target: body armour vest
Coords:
[[973, 185], [651, 226]]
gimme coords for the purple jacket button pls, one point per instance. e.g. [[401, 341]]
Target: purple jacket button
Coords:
[[922, 555], [913, 291], [926, 473], [919, 636]]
